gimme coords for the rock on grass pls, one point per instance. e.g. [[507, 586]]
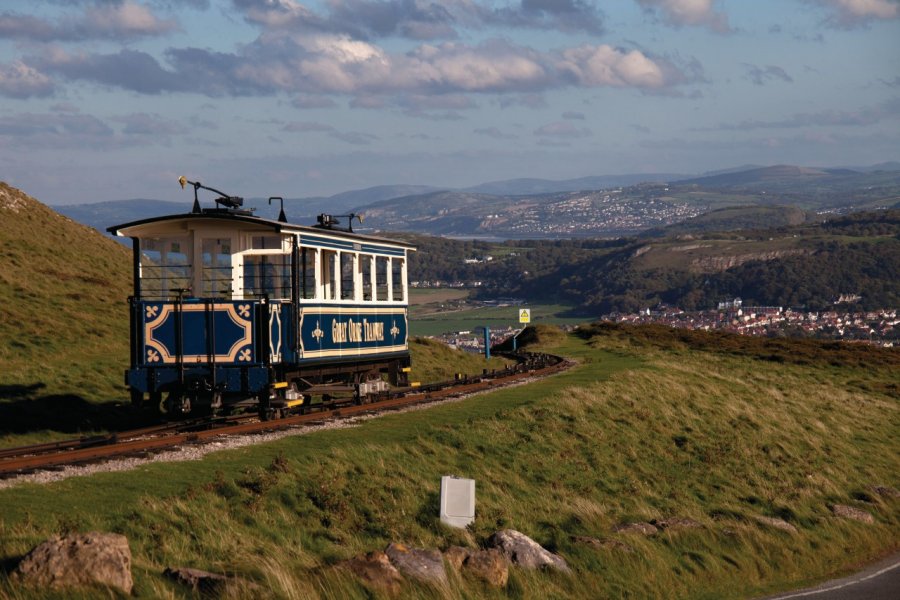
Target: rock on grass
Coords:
[[521, 550], [79, 560], [849, 512]]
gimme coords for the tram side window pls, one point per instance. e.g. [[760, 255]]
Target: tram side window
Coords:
[[347, 276], [165, 267], [365, 268], [267, 275], [329, 260], [397, 279], [381, 278], [308, 277], [216, 267]]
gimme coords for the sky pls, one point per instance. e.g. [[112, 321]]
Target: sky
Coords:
[[114, 99]]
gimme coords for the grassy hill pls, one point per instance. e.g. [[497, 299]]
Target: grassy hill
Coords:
[[63, 288], [651, 425]]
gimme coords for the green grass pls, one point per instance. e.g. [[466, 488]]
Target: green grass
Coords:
[[63, 288], [419, 296], [645, 427], [433, 361], [494, 317]]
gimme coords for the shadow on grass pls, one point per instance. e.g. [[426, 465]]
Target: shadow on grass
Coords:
[[24, 410], [9, 564]]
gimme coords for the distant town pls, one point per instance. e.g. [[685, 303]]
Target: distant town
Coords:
[[583, 213], [880, 327]]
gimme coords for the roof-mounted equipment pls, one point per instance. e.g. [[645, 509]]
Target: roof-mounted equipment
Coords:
[[224, 203], [333, 221]]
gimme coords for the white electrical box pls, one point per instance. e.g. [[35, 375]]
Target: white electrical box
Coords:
[[457, 501]]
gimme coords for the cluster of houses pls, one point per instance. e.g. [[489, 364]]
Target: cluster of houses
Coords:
[[880, 327], [599, 212]]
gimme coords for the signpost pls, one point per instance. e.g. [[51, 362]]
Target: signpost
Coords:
[[524, 315]]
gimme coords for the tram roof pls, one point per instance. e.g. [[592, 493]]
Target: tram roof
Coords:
[[133, 228]]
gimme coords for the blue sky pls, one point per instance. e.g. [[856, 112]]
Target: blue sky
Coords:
[[114, 99]]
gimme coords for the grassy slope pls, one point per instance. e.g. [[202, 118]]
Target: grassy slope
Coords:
[[648, 426], [63, 327]]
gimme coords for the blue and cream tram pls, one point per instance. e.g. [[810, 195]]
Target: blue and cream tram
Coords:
[[230, 309]]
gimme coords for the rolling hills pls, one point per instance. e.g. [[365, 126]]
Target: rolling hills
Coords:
[[585, 207], [806, 265]]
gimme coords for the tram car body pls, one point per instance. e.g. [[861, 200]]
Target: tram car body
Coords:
[[230, 309]]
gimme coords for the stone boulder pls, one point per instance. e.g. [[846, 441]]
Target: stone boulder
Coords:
[[849, 512], [376, 570], [79, 560], [886, 491], [490, 565], [776, 523], [456, 556], [424, 565], [521, 550], [200, 581]]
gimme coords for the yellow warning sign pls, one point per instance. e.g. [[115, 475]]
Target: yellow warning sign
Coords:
[[525, 315]]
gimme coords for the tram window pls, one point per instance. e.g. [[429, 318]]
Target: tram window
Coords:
[[329, 260], [265, 242], [381, 278], [267, 275], [365, 267], [216, 267], [308, 277], [397, 279], [165, 267], [347, 276]]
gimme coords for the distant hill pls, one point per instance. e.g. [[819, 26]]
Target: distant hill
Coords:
[[305, 210], [806, 265], [101, 215], [595, 213], [589, 206], [526, 186], [737, 218], [761, 176]]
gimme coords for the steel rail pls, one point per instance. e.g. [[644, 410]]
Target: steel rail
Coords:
[[15, 461]]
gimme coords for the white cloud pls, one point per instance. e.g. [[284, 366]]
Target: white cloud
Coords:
[[852, 13], [607, 66], [127, 19], [697, 13], [421, 19], [112, 21], [18, 80], [315, 64]]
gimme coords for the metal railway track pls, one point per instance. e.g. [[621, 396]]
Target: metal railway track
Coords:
[[148, 440]]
